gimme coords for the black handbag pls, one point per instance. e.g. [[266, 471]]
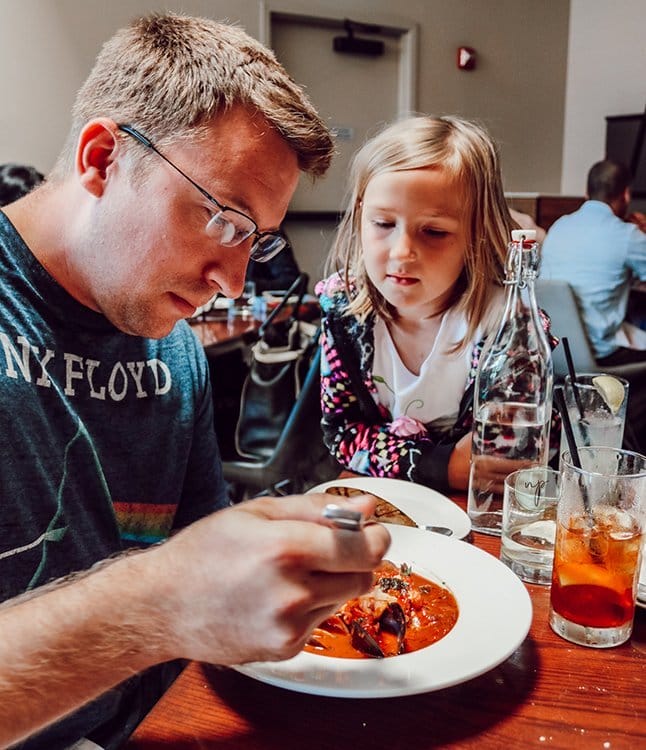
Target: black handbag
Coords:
[[280, 360]]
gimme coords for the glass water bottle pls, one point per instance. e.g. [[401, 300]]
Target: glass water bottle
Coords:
[[513, 390]]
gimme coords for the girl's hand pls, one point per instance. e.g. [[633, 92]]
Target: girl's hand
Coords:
[[460, 464]]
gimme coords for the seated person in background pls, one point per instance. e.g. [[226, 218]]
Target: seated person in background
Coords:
[[276, 274], [636, 311], [17, 180], [638, 218], [415, 287], [109, 442], [601, 256]]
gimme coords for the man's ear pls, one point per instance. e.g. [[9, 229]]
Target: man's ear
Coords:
[[96, 150]]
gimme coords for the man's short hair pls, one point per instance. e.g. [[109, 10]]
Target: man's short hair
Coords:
[[170, 75], [607, 180]]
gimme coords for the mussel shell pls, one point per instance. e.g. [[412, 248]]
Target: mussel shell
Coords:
[[364, 642], [393, 620]]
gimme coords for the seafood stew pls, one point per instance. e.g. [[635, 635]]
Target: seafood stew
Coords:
[[403, 612]]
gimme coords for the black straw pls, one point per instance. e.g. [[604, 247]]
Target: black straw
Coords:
[[570, 367], [569, 434]]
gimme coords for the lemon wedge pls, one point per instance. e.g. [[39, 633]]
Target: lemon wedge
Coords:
[[611, 390], [579, 574]]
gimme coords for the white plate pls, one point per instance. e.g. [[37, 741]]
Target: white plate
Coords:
[[494, 618], [423, 505]]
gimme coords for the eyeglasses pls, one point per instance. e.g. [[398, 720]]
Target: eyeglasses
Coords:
[[228, 226]]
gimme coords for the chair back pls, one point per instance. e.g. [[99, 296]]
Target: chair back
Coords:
[[557, 300]]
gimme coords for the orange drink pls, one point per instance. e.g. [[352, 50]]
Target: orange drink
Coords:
[[600, 522], [594, 570]]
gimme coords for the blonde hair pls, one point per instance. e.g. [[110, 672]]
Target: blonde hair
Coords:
[[466, 152], [169, 75]]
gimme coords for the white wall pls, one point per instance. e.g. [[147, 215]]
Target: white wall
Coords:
[[47, 48], [606, 75], [517, 89]]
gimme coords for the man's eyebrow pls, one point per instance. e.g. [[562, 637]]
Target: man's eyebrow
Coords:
[[239, 204]]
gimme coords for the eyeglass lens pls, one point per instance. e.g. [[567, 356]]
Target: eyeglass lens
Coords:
[[267, 247], [229, 228]]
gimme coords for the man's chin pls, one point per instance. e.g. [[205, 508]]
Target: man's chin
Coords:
[[148, 329], [159, 331]]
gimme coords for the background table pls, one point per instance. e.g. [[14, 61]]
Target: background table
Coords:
[[220, 331]]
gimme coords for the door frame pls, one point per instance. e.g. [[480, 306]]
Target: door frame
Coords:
[[406, 32]]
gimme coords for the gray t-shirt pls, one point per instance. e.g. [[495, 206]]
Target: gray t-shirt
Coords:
[[107, 442]]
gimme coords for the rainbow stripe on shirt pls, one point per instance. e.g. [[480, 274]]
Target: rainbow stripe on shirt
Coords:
[[144, 523]]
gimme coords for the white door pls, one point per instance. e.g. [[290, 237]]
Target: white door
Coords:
[[355, 95]]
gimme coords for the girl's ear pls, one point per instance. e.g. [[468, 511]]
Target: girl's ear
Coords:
[[96, 151]]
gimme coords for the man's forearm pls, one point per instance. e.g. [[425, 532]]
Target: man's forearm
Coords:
[[197, 596], [63, 647]]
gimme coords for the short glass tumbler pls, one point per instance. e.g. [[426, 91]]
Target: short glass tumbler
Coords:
[[601, 424], [243, 306], [599, 530], [529, 523]]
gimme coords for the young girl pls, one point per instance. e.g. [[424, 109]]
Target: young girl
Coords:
[[417, 285]]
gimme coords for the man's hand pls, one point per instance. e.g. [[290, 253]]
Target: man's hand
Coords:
[[638, 218], [244, 584], [251, 582]]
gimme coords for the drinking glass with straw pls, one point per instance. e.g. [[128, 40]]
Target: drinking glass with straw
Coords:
[[596, 404], [599, 527]]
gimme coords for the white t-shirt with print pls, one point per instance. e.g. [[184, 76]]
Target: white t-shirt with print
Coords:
[[435, 394]]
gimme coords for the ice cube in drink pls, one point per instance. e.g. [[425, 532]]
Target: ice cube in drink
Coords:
[[598, 427]]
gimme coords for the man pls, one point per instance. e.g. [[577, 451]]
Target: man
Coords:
[[601, 256], [108, 440]]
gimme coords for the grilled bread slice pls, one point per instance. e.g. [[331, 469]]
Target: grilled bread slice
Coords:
[[385, 512]]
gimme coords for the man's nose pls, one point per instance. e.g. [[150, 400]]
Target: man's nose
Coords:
[[228, 277]]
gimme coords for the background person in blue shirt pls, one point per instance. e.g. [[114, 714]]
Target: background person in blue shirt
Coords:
[[601, 256]]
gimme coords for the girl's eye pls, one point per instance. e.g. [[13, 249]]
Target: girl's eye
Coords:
[[439, 233], [383, 224]]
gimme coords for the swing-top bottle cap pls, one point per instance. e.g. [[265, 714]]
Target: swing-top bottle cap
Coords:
[[517, 235]]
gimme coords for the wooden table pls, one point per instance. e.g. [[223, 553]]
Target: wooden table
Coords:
[[216, 329], [220, 331], [548, 694]]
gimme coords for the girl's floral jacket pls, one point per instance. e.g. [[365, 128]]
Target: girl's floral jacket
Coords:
[[360, 432]]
